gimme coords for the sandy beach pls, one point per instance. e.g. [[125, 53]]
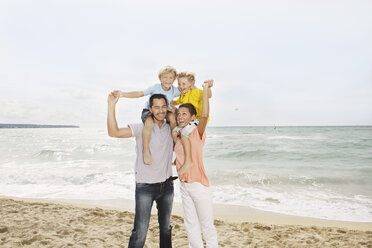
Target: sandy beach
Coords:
[[46, 223]]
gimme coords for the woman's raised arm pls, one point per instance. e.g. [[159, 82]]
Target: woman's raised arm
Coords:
[[205, 108]]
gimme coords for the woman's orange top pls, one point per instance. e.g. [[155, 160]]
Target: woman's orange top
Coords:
[[196, 173]]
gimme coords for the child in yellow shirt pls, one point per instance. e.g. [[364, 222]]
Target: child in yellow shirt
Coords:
[[193, 95]]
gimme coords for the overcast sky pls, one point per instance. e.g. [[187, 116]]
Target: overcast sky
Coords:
[[273, 62]]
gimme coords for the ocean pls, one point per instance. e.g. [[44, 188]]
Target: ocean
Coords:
[[320, 172]]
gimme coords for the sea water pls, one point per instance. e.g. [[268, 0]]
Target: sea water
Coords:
[[321, 172]]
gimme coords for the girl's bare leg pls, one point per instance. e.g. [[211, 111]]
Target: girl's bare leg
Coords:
[[188, 162], [146, 136]]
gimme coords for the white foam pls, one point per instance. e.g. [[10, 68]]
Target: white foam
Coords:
[[299, 202], [86, 164]]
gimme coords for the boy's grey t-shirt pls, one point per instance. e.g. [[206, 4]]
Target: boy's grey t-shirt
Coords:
[[157, 89], [161, 148]]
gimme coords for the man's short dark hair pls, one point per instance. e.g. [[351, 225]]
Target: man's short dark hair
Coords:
[[190, 107], [157, 96]]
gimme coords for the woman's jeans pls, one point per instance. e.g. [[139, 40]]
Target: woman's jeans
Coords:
[[146, 194]]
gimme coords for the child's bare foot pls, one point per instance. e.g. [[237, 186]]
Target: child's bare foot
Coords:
[[186, 166], [147, 159]]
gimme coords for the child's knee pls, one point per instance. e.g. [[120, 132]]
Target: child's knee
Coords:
[[149, 122]]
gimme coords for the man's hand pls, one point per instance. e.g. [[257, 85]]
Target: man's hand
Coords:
[[112, 125], [113, 98]]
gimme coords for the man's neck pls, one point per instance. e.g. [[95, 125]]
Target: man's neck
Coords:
[[159, 123]]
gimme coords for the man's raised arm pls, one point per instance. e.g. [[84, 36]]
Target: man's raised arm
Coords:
[[112, 125]]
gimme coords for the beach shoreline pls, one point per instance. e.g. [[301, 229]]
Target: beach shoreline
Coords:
[[55, 223], [222, 212]]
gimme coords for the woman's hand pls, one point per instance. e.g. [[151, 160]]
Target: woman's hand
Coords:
[[209, 83]]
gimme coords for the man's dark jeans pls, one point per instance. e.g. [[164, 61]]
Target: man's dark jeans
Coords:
[[146, 194]]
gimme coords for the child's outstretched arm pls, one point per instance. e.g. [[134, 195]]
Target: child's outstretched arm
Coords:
[[132, 94]]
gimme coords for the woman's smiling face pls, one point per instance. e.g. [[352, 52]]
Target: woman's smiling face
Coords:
[[184, 116]]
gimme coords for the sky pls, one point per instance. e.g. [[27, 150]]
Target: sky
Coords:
[[274, 63]]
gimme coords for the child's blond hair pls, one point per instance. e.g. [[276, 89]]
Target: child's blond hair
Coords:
[[167, 69], [189, 75]]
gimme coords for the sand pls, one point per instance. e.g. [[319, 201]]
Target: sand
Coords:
[[40, 223]]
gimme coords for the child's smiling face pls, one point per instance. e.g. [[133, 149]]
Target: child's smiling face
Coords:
[[184, 84], [167, 80]]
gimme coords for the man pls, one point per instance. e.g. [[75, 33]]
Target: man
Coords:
[[153, 182]]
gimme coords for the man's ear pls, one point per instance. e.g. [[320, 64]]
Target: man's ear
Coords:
[[150, 109]]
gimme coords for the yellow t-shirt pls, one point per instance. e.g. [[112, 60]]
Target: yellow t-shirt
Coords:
[[195, 97]]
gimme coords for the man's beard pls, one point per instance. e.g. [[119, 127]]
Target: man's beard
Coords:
[[157, 118]]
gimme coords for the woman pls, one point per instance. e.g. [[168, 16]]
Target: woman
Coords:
[[194, 184]]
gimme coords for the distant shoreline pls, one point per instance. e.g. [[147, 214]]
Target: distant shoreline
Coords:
[[35, 126]]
